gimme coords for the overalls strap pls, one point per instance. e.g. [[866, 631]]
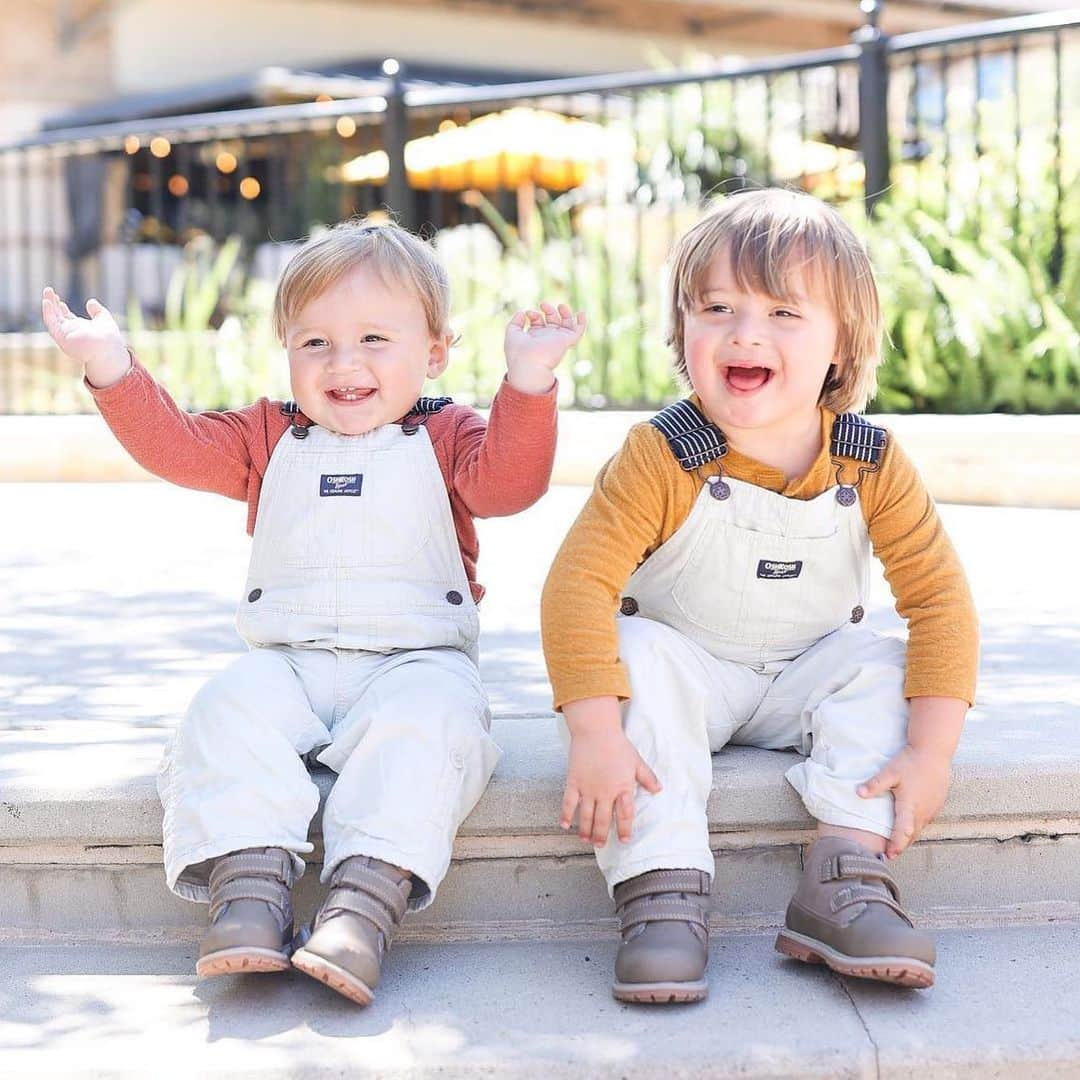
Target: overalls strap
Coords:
[[854, 437], [693, 439], [426, 405]]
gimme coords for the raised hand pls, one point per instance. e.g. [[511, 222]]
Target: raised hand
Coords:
[[94, 342], [536, 341]]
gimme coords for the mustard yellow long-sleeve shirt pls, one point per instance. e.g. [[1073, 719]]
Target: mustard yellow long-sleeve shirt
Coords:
[[642, 496]]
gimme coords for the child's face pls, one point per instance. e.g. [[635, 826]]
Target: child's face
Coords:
[[359, 353], [755, 361]]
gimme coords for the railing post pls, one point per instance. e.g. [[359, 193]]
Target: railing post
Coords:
[[399, 196], [873, 103]]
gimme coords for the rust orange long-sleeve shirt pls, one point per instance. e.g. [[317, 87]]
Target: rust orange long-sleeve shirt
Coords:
[[642, 496], [490, 470]]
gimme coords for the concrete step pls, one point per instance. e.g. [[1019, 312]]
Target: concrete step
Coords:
[[1007, 844], [1006, 1005], [100, 662]]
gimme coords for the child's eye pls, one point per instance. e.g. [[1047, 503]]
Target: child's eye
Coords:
[[314, 342], [373, 337], [787, 313], [718, 307]]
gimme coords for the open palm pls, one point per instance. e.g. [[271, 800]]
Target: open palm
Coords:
[[90, 341], [543, 336]]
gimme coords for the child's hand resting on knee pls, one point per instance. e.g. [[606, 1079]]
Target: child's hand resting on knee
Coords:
[[919, 782], [918, 776], [96, 342], [604, 771]]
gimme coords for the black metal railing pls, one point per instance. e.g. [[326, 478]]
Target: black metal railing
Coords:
[[181, 224]]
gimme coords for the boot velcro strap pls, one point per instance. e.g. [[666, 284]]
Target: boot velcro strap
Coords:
[[275, 893], [858, 866], [662, 881], [273, 864], [362, 904], [662, 909], [357, 876], [865, 894]]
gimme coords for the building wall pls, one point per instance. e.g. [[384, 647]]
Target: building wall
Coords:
[[217, 39], [44, 71]]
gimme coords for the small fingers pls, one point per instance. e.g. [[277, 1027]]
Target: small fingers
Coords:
[[519, 320], [903, 832], [876, 785], [571, 797], [586, 813], [647, 778], [601, 823], [624, 816]]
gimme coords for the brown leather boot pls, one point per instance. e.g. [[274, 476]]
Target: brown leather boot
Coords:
[[665, 936], [846, 913], [353, 928], [251, 916]]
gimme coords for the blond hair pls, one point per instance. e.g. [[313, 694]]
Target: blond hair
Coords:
[[771, 235], [392, 251]]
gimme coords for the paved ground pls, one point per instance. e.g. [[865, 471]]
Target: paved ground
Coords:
[[545, 1010]]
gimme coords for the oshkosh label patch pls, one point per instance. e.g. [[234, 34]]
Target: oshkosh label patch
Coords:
[[778, 571], [341, 483]]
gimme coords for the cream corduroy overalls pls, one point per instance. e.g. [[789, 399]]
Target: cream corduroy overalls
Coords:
[[743, 628], [363, 635]]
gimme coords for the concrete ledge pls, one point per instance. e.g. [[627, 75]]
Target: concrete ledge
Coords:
[[992, 460], [49, 797]]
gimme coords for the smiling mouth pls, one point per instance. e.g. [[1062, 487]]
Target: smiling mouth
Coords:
[[350, 394], [745, 380]]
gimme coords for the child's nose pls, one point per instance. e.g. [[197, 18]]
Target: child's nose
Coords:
[[345, 358], [747, 330]]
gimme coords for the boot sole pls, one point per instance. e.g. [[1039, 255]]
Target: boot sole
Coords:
[[334, 976], [661, 993], [243, 960], [899, 970]]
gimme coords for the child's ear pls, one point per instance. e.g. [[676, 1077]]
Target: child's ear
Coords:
[[439, 356]]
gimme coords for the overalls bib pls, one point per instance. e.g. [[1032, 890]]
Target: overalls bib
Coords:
[[355, 547]]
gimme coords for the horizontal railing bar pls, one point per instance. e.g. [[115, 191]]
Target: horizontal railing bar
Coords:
[[983, 31]]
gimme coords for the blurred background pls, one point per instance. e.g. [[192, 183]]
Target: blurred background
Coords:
[[167, 158]]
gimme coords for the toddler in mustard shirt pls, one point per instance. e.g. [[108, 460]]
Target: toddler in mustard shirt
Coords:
[[712, 590]]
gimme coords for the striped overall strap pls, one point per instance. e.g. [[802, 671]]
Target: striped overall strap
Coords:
[[426, 405], [694, 440], [418, 414], [855, 438]]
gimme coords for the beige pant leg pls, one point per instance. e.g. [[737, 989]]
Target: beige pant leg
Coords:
[[685, 704], [232, 776], [842, 703], [414, 756]]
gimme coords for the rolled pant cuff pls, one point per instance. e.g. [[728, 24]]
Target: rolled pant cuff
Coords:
[[199, 892], [426, 877], [684, 860], [828, 814]]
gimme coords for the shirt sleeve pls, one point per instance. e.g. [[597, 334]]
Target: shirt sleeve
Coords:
[[502, 467], [210, 451], [622, 522], [926, 578]]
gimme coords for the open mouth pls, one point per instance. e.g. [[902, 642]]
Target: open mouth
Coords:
[[745, 380], [350, 395]]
